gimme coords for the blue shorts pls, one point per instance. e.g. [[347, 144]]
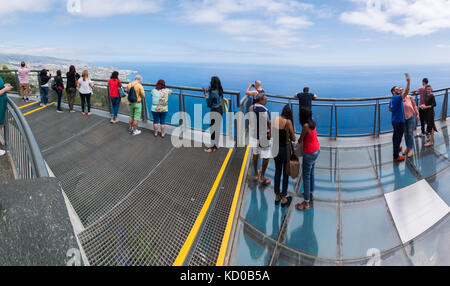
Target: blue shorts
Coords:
[[159, 118]]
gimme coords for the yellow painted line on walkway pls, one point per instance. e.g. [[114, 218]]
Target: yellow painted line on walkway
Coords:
[[198, 223], [23, 106], [226, 236], [40, 108]]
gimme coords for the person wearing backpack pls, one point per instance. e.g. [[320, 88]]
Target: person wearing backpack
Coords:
[[214, 97], [44, 77], [114, 95], [135, 92]]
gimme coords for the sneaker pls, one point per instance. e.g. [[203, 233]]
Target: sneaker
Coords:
[[400, 159], [2, 152], [41, 104], [89, 114], [83, 114], [130, 131], [116, 121], [137, 132], [59, 111]]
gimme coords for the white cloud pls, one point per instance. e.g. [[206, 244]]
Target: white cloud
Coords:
[[105, 8], [443, 46], [402, 17], [277, 22], [89, 8], [9, 7]]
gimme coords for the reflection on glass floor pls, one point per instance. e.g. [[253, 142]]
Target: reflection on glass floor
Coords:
[[351, 222]]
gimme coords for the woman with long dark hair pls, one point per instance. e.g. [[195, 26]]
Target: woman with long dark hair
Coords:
[[44, 77], [428, 114], [71, 88], [159, 107], [59, 87], [311, 151], [285, 125], [214, 97], [114, 95]]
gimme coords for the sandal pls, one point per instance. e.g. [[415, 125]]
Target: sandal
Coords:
[[256, 176], [303, 206], [266, 182], [288, 203], [277, 202]]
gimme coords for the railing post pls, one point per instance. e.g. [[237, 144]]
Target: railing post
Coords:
[[336, 120], [6, 129], [331, 122], [379, 117], [17, 82], [180, 106], [375, 120], [445, 107]]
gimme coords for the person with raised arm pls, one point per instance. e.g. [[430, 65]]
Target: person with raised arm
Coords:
[[421, 91], [398, 117], [257, 86]]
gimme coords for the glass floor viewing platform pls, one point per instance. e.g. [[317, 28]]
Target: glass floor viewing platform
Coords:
[[367, 211], [141, 201]]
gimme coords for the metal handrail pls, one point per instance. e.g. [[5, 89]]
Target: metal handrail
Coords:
[[332, 103], [29, 154]]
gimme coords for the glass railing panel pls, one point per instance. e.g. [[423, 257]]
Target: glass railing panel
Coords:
[[353, 120]]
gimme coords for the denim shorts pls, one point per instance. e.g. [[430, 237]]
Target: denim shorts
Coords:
[[159, 118]]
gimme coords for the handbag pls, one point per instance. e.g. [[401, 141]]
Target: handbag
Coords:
[[293, 162]]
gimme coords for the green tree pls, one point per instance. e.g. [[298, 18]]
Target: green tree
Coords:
[[9, 77]]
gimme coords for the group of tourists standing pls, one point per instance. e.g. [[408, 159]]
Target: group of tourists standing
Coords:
[[285, 127], [406, 114]]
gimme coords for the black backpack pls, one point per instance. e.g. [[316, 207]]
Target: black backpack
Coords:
[[132, 97]]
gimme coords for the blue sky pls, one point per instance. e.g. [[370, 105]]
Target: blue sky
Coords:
[[273, 32]]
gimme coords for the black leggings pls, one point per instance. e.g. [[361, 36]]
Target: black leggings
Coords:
[[214, 141], [85, 98]]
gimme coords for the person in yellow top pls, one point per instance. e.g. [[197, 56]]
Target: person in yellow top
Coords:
[[136, 107]]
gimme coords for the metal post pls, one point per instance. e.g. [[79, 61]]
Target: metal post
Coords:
[[375, 121], [336, 120], [180, 107], [6, 129], [379, 118], [17, 82], [445, 107], [331, 122]]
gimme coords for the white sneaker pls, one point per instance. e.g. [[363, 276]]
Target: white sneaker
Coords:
[[137, 132], [2, 152]]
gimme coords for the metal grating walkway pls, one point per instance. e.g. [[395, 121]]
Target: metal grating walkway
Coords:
[[137, 197]]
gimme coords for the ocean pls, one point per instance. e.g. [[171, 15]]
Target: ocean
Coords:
[[326, 82]]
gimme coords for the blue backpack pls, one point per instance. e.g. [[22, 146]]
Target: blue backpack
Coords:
[[132, 97]]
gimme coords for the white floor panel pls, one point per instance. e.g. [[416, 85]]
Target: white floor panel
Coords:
[[415, 209]]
